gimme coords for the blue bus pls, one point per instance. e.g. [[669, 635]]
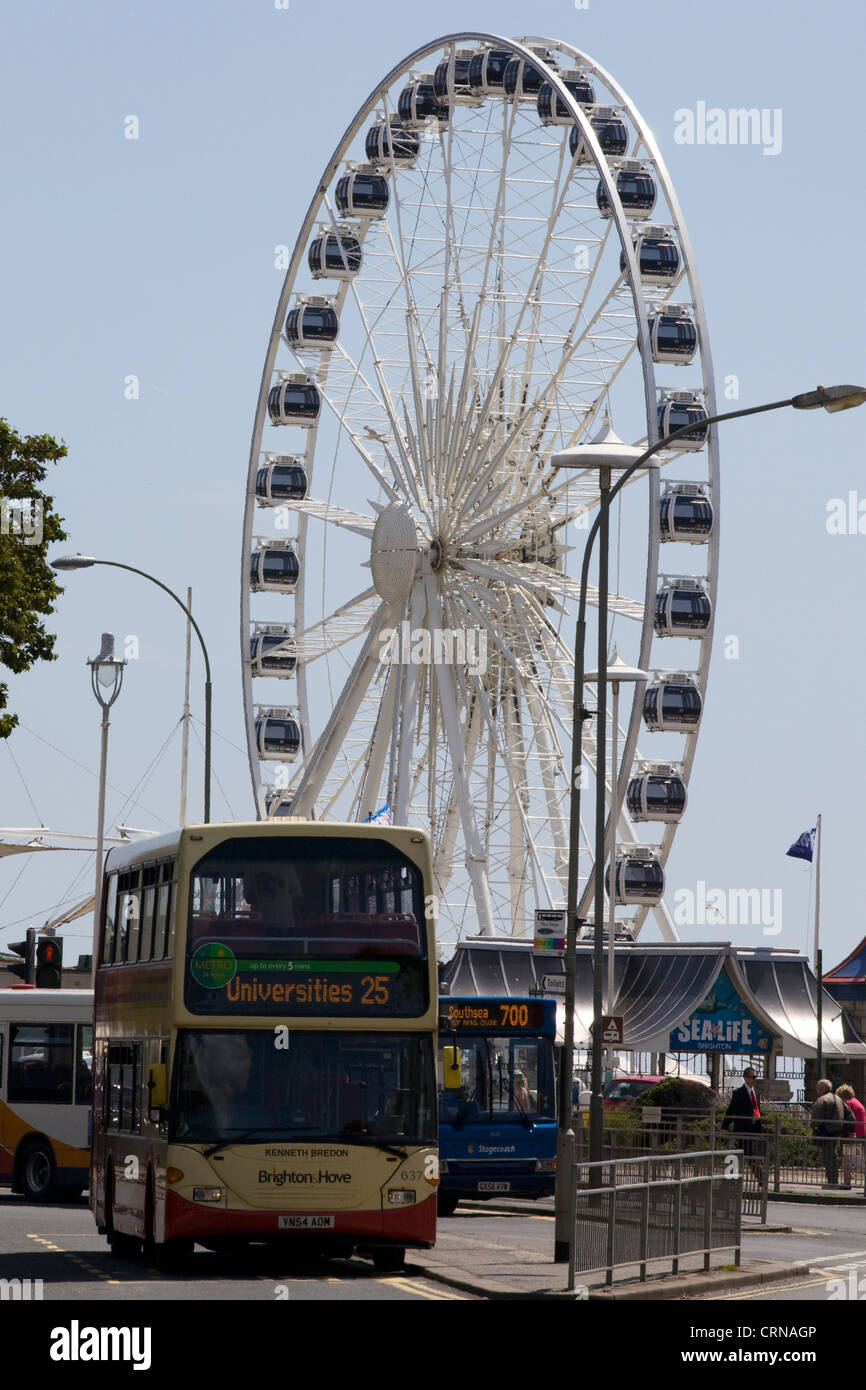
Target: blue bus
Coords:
[[497, 1110]]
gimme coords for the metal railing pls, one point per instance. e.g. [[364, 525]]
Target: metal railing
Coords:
[[787, 1154], [635, 1211]]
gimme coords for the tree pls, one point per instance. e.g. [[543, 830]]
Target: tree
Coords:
[[28, 524]]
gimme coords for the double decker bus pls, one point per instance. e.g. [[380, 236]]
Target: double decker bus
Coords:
[[46, 1055], [264, 1066], [497, 1109]]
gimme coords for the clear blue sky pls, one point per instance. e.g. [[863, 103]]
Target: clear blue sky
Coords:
[[155, 258]]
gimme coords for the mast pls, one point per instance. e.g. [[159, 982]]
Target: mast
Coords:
[[184, 755], [818, 969]]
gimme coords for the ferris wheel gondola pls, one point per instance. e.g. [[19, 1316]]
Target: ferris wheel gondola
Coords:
[[496, 293]]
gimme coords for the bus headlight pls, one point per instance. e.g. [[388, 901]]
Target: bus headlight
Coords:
[[207, 1194], [401, 1197], [545, 1165]]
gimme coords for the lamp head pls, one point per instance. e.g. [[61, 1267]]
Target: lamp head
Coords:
[[73, 562], [832, 398]]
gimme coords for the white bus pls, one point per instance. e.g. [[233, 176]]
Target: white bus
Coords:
[[46, 1086]]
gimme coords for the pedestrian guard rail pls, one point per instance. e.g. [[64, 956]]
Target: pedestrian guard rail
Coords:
[[638, 1210]]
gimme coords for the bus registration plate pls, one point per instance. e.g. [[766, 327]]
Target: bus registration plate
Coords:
[[494, 1187], [306, 1223]]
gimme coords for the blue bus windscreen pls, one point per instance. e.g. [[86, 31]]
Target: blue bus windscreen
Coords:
[[497, 1110]]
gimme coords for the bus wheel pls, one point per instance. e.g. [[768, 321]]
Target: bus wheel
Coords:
[[446, 1203], [389, 1261], [172, 1255], [123, 1246], [37, 1171]]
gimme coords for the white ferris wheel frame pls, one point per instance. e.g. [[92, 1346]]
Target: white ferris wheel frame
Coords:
[[340, 627]]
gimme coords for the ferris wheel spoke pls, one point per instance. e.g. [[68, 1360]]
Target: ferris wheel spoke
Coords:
[[339, 516], [541, 579], [543, 496], [343, 625], [551, 758], [516, 776], [405, 474]]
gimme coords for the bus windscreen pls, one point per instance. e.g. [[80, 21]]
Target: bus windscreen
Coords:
[[349, 1086]]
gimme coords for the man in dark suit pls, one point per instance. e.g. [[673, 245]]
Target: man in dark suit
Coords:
[[744, 1115]]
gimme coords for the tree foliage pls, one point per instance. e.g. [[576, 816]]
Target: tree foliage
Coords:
[[678, 1093], [28, 525]]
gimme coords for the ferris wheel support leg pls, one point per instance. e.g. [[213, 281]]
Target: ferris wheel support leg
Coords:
[[370, 799], [403, 784], [475, 856], [344, 712]]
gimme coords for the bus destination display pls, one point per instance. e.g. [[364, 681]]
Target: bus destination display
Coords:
[[221, 982], [492, 1015]]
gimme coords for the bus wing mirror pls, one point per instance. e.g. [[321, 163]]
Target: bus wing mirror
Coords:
[[451, 1067], [157, 1085]]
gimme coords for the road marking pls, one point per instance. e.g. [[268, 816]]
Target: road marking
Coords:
[[82, 1263], [765, 1291], [407, 1286]]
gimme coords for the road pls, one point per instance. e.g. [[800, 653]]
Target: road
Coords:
[[830, 1239], [59, 1244]]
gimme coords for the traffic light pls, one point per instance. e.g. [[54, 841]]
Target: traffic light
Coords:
[[49, 962], [27, 949]]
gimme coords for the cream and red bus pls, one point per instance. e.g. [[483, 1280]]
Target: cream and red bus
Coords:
[[46, 1041], [264, 1055]]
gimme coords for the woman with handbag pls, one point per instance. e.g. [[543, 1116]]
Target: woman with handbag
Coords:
[[853, 1133]]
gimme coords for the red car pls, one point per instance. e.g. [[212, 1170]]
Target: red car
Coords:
[[624, 1090]]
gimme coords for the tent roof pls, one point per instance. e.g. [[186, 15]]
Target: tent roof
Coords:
[[659, 985]]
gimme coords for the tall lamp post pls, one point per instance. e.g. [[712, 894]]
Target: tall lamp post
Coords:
[[603, 455], [617, 672], [81, 562], [106, 678]]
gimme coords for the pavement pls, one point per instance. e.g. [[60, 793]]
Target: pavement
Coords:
[[521, 1266]]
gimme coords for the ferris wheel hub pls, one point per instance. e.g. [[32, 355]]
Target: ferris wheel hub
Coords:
[[394, 553]]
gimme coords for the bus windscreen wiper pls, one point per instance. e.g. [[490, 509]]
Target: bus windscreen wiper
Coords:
[[524, 1117], [372, 1141], [462, 1114], [256, 1129]]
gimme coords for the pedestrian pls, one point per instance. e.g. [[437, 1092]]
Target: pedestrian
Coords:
[[852, 1144], [743, 1115], [828, 1113]]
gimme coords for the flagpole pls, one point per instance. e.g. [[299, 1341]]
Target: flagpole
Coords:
[[818, 971]]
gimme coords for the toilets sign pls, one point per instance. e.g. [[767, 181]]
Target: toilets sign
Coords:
[[722, 1023]]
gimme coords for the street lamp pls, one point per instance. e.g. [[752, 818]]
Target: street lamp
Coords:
[[106, 678], [606, 453], [81, 562], [617, 671]]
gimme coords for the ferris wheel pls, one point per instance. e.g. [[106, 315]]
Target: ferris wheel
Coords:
[[493, 268]]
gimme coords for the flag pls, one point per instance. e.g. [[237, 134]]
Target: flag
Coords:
[[382, 816], [803, 848]]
